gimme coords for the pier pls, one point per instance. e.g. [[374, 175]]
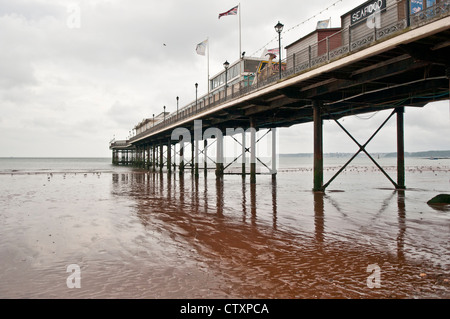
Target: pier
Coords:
[[390, 60]]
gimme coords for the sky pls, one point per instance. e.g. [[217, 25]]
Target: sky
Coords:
[[75, 74]]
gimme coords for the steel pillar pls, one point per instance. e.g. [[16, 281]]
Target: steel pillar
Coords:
[[161, 157], [318, 146], [192, 156], [400, 149], [169, 156], [205, 149], [252, 151], [274, 152], [195, 159], [219, 156], [243, 154], [154, 157], [181, 155], [144, 159], [148, 157]]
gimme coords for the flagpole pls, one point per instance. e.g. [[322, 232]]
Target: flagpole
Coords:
[[240, 48], [240, 43], [207, 65]]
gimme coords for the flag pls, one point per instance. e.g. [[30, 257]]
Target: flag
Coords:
[[270, 52], [231, 12], [201, 47], [323, 24]]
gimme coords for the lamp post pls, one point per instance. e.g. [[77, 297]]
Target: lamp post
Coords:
[[279, 28], [226, 65], [196, 86], [164, 113], [177, 106], [153, 119]]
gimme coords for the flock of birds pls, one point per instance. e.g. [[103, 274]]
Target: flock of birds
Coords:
[[50, 175], [363, 169]]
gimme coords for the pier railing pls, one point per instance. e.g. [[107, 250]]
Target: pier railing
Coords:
[[342, 43], [119, 144]]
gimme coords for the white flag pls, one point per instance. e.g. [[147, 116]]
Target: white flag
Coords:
[[201, 47]]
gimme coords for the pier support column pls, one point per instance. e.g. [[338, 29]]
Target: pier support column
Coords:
[[205, 163], [318, 146], [192, 156], [181, 156], [148, 157], [144, 157], [153, 158], [169, 156], [161, 156], [219, 155], [195, 159], [274, 152], [243, 154], [400, 149], [174, 162], [252, 151]]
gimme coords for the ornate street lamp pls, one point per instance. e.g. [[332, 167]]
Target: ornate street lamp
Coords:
[[279, 28], [226, 65], [196, 86], [177, 106]]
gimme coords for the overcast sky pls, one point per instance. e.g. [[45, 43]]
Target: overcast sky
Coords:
[[68, 86]]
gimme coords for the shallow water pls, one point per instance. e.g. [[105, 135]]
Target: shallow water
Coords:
[[137, 234]]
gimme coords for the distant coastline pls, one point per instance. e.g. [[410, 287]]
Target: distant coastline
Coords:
[[424, 154]]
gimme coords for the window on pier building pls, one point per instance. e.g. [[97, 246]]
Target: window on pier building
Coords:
[[247, 66], [419, 5]]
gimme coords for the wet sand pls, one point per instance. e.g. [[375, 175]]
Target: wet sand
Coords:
[[137, 234]]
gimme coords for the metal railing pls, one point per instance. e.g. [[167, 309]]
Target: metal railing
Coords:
[[435, 12], [335, 46]]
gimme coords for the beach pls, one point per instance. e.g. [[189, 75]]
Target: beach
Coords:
[[139, 234]]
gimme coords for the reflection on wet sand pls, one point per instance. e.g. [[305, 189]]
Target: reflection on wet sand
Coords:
[[319, 216], [269, 256], [401, 225]]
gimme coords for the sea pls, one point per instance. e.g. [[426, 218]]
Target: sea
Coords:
[[84, 228]]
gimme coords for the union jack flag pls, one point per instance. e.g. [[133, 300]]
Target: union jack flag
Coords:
[[231, 12]]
